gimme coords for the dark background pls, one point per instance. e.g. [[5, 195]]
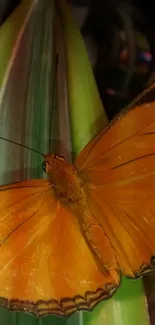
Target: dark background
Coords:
[[123, 35]]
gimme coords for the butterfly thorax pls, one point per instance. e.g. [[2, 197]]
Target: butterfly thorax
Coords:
[[63, 177]]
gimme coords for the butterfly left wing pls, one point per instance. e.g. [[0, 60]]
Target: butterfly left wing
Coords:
[[118, 172], [46, 265]]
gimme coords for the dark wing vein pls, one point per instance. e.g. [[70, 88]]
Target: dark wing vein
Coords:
[[93, 161], [22, 223]]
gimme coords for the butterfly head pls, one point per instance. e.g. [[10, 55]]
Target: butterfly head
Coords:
[[52, 162]]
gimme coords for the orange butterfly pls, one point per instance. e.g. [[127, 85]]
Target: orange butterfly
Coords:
[[66, 241]]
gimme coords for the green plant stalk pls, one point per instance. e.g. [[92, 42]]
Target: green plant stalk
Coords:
[[128, 306], [81, 83], [9, 32]]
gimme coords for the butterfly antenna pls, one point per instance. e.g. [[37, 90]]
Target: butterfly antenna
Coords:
[[53, 92], [22, 145]]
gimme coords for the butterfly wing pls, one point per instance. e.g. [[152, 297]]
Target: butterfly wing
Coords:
[[118, 172], [46, 265]]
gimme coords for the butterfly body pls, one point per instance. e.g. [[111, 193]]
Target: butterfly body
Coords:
[[68, 188]]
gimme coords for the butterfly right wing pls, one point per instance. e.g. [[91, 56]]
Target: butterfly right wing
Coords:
[[117, 169], [46, 266]]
